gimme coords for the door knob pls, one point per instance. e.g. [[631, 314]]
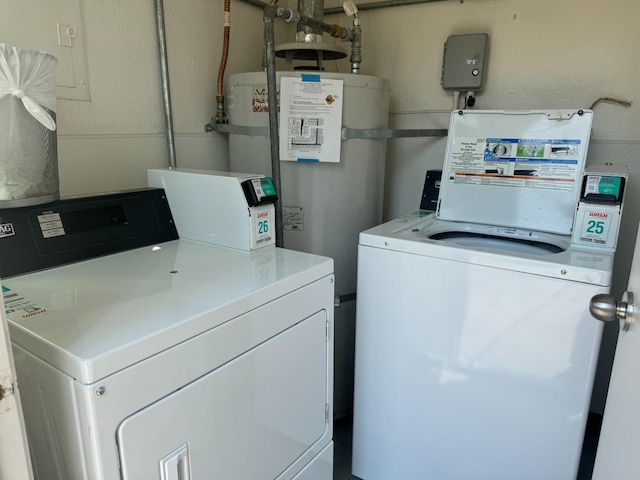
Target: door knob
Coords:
[[605, 308]]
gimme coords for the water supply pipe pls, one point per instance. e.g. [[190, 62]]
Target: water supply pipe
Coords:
[[166, 90], [221, 117], [356, 46], [381, 4]]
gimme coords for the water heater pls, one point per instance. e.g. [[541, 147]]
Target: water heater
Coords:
[[325, 205]]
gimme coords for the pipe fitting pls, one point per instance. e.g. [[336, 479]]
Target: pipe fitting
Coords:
[[221, 116], [270, 12], [337, 31], [356, 47], [289, 15]]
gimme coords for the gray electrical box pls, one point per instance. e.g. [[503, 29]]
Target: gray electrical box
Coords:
[[464, 62]]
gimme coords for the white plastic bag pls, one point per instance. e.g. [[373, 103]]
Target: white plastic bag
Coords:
[[30, 75]]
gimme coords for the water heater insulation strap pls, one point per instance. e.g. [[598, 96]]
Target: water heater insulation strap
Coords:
[[347, 133]]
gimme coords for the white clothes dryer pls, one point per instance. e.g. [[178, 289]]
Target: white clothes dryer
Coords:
[[475, 349], [172, 360]]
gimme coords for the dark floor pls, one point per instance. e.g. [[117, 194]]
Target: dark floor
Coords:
[[342, 445]]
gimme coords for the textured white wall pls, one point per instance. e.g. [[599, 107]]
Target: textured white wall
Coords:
[[109, 142], [543, 54]]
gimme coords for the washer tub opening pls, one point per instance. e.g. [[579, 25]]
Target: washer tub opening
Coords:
[[481, 240]]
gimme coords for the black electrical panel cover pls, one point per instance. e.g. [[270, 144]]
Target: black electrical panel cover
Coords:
[[431, 190]]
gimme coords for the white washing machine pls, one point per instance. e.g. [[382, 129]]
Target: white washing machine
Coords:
[[475, 349], [173, 360]]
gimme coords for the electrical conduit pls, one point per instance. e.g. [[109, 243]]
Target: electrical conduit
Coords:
[[269, 17], [166, 90]]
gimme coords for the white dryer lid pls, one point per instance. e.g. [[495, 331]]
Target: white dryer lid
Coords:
[[519, 169], [93, 318]]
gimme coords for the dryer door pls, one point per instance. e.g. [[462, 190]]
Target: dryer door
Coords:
[[250, 418]]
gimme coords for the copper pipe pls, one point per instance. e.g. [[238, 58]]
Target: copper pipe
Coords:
[[221, 117], [225, 44]]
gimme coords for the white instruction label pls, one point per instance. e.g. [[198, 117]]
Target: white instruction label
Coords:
[[51, 225], [511, 232], [18, 307], [293, 218]]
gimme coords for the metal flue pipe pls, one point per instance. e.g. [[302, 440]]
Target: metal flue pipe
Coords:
[[312, 9]]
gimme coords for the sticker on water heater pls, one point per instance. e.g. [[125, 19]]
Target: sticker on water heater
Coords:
[[260, 99], [293, 218]]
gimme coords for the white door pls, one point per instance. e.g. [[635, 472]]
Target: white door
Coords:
[[617, 457], [14, 453]]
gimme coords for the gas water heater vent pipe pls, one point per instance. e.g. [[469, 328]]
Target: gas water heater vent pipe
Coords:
[[272, 11], [221, 117], [166, 90]]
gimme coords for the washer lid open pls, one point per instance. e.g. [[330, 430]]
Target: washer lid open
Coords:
[[518, 169]]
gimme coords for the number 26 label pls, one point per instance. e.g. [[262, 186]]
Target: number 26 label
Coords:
[[262, 231]]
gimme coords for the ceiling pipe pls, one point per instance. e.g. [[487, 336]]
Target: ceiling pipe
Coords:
[[361, 7], [382, 4]]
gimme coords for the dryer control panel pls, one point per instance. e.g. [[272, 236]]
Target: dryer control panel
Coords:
[[75, 229], [233, 210]]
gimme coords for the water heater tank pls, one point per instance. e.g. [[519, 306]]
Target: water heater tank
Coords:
[[325, 205]]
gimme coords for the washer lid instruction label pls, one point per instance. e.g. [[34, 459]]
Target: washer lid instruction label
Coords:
[[515, 162]]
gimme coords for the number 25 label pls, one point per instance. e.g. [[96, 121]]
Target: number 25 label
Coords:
[[596, 227]]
